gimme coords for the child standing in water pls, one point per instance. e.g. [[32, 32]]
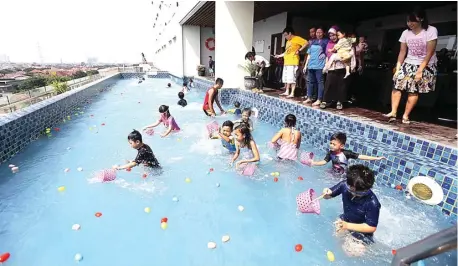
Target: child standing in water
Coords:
[[167, 119], [185, 88], [288, 139], [145, 155], [361, 209], [182, 102], [343, 48], [236, 110], [339, 156], [246, 114], [225, 134], [211, 96], [245, 145]]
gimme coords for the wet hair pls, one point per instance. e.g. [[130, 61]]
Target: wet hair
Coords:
[[228, 123], [247, 110], [180, 95], [185, 84], [168, 84], [164, 109], [237, 104], [288, 30], [290, 120], [135, 136], [419, 13], [340, 137], [360, 177], [246, 132], [219, 81], [248, 55]]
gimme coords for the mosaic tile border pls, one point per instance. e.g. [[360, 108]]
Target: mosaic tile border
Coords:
[[407, 156], [136, 75], [20, 128]]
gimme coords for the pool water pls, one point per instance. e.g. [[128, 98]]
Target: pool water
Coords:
[[36, 219]]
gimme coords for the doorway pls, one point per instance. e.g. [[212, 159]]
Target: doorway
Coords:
[[276, 68]]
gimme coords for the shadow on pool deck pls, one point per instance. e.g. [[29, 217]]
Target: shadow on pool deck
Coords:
[[440, 134]]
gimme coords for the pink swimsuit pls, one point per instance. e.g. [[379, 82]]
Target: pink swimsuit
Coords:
[[170, 122], [287, 150]]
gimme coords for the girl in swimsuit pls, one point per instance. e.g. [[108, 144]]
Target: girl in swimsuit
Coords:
[[245, 145], [288, 139], [167, 119]]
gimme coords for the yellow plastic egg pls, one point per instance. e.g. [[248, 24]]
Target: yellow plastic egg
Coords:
[[330, 256], [62, 188], [164, 225], [147, 209], [188, 180]]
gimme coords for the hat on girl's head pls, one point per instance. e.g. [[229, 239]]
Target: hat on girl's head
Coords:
[[333, 29]]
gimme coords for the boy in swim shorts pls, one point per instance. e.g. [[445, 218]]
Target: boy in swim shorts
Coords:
[[361, 209], [145, 155], [211, 96], [225, 134]]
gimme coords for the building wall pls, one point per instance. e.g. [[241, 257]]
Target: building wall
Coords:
[[191, 49], [263, 30], [205, 33], [375, 33]]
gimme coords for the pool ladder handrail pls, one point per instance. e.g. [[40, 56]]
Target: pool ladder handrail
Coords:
[[432, 245]]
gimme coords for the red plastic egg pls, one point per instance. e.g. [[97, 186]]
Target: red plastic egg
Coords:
[[211, 169], [98, 214], [393, 251], [128, 169], [164, 220], [145, 175], [300, 178], [298, 248], [398, 187], [103, 124], [276, 179], [4, 257]]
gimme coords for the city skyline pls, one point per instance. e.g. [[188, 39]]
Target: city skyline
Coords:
[[71, 32]]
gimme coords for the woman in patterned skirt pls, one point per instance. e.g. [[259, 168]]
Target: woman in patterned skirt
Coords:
[[417, 72]]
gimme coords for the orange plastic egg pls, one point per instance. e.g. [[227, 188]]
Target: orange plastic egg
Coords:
[[298, 248], [276, 179], [98, 214]]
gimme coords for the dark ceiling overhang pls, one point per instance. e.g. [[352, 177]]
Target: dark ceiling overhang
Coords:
[[203, 14]]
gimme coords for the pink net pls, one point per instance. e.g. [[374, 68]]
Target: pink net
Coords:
[[150, 131], [248, 169], [272, 145], [307, 158], [306, 204], [106, 175], [212, 127]]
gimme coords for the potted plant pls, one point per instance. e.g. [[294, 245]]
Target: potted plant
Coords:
[[250, 80], [200, 70]]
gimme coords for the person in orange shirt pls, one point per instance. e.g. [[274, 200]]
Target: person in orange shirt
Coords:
[[293, 47]]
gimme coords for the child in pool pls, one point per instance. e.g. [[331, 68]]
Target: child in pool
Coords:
[[191, 83], [185, 88], [167, 119], [236, 110], [169, 85], [244, 144], [245, 120], [211, 96], [289, 139], [343, 48], [339, 156], [145, 155], [361, 209], [225, 134], [182, 102]]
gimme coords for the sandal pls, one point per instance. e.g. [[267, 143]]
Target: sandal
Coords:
[[323, 105], [339, 106], [405, 121], [391, 117]]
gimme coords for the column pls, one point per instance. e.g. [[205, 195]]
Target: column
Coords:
[[191, 49], [233, 39]]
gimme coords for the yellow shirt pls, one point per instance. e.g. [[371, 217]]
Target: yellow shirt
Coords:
[[292, 46]]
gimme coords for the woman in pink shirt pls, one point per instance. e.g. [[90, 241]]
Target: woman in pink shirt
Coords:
[[167, 119], [417, 72]]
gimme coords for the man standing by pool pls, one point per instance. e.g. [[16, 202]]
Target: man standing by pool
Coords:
[[293, 47], [211, 96]]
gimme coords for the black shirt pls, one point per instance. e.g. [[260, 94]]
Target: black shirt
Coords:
[[340, 160], [182, 102], [146, 156]]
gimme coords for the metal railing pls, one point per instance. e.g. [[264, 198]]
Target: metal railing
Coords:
[[432, 245], [12, 102]]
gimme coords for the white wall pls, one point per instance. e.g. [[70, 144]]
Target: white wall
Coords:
[[205, 33], [234, 35], [263, 30], [191, 49], [376, 34]]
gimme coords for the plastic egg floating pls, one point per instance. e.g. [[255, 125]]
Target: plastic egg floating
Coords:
[[175, 199], [330, 256], [241, 208], [15, 169], [78, 257], [67, 170], [147, 210], [187, 180], [164, 225], [217, 185], [211, 245], [79, 169], [225, 238], [76, 227], [61, 189]]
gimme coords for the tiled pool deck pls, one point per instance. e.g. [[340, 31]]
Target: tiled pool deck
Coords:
[[408, 155]]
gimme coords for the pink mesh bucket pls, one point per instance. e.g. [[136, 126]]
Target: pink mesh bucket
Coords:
[[106, 175], [306, 203], [150, 131], [212, 127], [307, 158], [274, 146], [248, 169]]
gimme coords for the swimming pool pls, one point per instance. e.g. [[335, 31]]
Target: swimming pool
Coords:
[[36, 218]]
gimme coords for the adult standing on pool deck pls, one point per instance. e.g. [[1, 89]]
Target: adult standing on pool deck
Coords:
[[293, 47], [211, 96]]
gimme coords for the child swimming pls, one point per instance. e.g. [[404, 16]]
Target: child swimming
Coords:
[[288, 138], [225, 134], [145, 155], [211, 96], [167, 119], [339, 156], [361, 209], [245, 120], [182, 102], [185, 88], [244, 144]]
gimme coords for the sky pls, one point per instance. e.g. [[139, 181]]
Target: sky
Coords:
[[71, 31]]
